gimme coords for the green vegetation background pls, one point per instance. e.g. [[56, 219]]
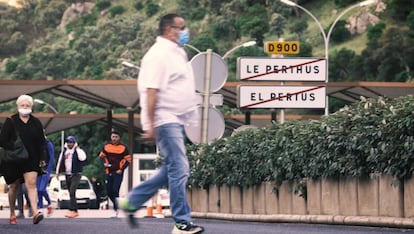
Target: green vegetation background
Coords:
[[94, 45]]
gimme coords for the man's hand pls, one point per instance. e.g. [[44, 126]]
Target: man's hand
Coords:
[[149, 136]]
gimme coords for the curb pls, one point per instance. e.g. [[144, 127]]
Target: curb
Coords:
[[314, 219]]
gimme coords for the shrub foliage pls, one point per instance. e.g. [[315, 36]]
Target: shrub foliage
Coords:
[[369, 137]]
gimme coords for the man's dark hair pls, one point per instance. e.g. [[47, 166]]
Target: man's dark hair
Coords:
[[166, 20], [116, 132]]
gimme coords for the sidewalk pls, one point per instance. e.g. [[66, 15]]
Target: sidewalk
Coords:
[[89, 213]]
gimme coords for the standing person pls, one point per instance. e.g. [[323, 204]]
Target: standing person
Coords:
[[30, 130], [115, 158], [167, 101], [43, 180], [71, 163]]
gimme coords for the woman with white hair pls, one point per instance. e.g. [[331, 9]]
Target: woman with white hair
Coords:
[[30, 130]]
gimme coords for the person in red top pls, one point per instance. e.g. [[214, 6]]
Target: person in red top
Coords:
[[115, 158]]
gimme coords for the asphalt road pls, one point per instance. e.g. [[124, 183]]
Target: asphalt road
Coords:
[[97, 221]]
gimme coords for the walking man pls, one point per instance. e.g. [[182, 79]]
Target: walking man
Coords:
[[71, 163], [115, 158], [167, 101]]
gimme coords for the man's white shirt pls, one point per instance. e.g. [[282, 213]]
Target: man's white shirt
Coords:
[[165, 67]]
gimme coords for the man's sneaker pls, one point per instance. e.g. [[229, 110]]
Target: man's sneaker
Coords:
[[115, 215], [126, 206], [184, 228], [132, 221], [129, 210]]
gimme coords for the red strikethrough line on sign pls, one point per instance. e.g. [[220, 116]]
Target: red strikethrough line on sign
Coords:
[[283, 69], [287, 95]]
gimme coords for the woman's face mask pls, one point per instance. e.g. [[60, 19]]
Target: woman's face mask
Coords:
[[184, 37], [25, 112]]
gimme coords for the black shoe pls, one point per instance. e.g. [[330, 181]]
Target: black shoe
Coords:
[[129, 210], [132, 221], [184, 228]]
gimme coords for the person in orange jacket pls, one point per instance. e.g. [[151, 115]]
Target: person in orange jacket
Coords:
[[115, 158]]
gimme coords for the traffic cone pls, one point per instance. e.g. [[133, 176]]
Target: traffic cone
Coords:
[[150, 213], [159, 211], [159, 208]]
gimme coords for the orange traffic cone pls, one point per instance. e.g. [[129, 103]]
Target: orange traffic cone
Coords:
[[150, 213], [159, 209]]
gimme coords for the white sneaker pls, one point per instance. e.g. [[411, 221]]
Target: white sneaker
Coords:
[[115, 215], [187, 228]]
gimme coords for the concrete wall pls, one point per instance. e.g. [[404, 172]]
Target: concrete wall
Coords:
[[334, 197]]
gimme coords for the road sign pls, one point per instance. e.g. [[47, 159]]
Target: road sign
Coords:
[[215, 129], [281, 47], [218, 71], [260, 96], [281, 69]]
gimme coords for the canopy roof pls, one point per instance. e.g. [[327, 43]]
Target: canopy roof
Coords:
[[112, 94]]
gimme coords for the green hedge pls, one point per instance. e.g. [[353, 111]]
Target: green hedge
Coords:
[[371, 136]]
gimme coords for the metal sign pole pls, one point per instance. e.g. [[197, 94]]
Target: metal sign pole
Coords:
[[206, 98]]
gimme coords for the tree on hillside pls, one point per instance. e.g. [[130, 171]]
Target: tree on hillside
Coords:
[[224, 29], [306, 49], [299, 27], [254, 23], [400, 9], [340, 33], [49, 13], [410, 23], [13, 39], [340, 65], [397, 62], [374, 33], [277, 24], [388, 61], [203, 42], [344, 3]]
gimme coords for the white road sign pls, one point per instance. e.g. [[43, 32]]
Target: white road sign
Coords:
[[281, 69], [218, 71], [260, 96], [215, 129]]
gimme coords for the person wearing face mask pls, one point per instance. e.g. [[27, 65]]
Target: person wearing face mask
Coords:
[[30, 130], [168, 101], [70, 162]]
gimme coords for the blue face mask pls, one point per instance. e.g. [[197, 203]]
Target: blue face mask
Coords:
[[184, 37]]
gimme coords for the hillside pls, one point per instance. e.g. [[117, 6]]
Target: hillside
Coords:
[[99, 35]]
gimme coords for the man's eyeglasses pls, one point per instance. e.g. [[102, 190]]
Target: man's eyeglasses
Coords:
[[178, 27]]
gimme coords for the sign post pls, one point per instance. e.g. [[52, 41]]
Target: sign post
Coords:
[[206, 99], [210, 74]]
